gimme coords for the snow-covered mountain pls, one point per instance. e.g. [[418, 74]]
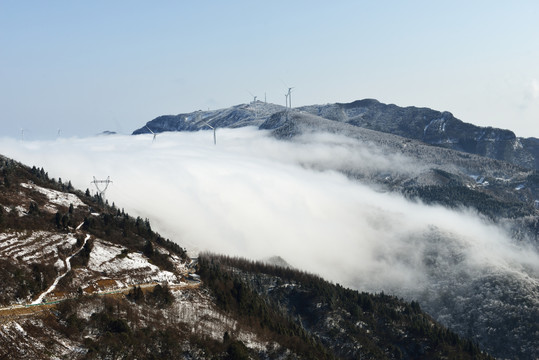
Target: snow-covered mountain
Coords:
[[429, 126], [435, 159], [252, 114], [434, 128]]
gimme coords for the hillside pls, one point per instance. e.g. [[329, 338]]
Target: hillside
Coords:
[[83, 279]]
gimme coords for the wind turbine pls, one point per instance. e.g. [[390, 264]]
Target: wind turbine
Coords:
[[214, 137], [254, 104], [290, 96], [154, 134], [254, 96]]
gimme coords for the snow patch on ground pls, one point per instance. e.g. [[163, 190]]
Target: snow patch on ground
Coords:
[[437, 124], [85, 312], [21, 211], [108, 258], [197, 309], [19, 328], [38, 245], [56, 197], [59, 265]]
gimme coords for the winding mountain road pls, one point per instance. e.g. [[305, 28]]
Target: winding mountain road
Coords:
[[68, 268]]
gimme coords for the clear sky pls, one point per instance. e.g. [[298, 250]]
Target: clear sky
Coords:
[[83, 67]]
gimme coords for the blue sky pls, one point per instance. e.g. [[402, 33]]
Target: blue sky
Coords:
[[86, 67]]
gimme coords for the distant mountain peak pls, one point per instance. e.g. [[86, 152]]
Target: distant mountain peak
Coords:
[[437, 128]]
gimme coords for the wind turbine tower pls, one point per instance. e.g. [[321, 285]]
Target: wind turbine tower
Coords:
[[154, 134], [214, 137], [254, 104], [290, 96]]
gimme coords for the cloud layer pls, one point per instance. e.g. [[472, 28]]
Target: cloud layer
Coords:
[[254, 196]]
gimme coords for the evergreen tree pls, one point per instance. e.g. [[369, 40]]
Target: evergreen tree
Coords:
[[148, 249]]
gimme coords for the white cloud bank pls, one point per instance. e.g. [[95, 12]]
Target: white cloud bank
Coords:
[[254, 196]]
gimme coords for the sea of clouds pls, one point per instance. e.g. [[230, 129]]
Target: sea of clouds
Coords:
[[254, 196]]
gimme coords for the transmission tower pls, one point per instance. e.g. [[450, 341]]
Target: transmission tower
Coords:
[[100, 191]]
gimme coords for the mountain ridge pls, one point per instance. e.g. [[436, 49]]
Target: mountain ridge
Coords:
[[419, 123], [435, 128]]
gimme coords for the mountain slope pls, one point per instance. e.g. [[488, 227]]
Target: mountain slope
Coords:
[[128, 293], [434, 128], [496, 188], [481, 302], [252, 114], [343, 321]]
